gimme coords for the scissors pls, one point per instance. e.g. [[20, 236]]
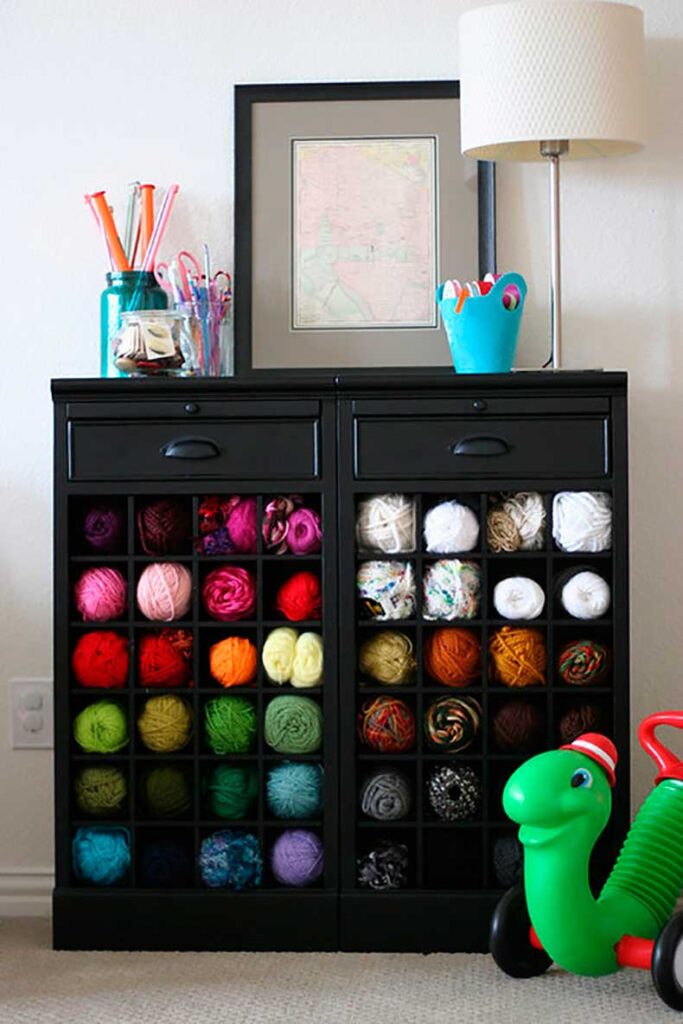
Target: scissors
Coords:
[[188, 272], [218, 292]]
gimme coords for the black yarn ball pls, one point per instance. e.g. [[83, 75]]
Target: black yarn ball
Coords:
[[455, 792], [384, 868], [508, 861], [165, 865]]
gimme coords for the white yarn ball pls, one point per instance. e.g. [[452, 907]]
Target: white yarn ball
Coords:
[[450, 527], [586, 596], [452, 589], [527, 511], [386, 522], [582, 520], [518, 597], [387, 589]]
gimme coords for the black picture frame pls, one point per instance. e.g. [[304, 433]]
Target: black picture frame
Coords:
[[246, 96]]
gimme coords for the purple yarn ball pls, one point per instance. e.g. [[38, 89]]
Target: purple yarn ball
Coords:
[[102, 527], [297, 857]]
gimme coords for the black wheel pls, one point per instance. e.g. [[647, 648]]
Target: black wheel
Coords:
[[510, 944], [667, 963]]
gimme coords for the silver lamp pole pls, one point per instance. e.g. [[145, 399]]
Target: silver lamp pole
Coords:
[[553, 150]]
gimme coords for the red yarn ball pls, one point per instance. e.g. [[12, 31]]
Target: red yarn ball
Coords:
[[100, 659], [299, 597], [165, 658]]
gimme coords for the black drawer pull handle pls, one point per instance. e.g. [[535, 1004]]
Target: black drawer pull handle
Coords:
[[190, 448], [481, 446]]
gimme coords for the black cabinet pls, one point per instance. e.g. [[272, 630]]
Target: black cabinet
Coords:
[[336, 442]]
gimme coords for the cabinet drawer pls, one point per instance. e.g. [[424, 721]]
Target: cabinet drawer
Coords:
[[425, 447], [243, 449]]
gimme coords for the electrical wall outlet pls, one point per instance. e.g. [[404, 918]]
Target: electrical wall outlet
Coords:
[[31, 713]]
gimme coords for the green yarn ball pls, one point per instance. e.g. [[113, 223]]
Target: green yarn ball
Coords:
[[166, 792], [100, 790], [231, 790], [293, 725], [101, 728], [230, 725]]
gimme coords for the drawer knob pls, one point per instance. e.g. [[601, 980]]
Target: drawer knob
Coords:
[[486, 446], [190, 448], [191, 408], [479, 404]]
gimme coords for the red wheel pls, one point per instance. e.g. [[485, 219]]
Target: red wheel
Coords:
[[667, 963], [509, 938]]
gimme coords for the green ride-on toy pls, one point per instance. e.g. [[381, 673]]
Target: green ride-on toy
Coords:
[[562, 801]]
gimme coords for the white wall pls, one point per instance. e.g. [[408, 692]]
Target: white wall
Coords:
[[94, 94]]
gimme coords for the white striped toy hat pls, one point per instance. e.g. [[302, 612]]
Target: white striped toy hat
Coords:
[[600, 749]]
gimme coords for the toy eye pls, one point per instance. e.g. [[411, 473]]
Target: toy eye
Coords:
[[582, 779]]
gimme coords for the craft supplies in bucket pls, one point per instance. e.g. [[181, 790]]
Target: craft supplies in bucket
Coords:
[[126, 291], [482, 322]]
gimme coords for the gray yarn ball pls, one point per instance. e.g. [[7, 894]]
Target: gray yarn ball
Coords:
[[385, 796]]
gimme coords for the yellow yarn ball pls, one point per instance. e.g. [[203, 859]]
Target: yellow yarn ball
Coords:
[[388, 657], [165, 724], [278, 654], [307, 669]]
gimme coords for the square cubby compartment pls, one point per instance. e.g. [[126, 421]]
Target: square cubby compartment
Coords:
[[576, 713], [164, 592], [387, 792], [451, 589], [387, 657], [584, 658], [165, 790], [229, 658], [293, 725], [387, 589], [387, 524], [99, 791], [517, 523], [453, 725], [99, 593], [228, 725], [386, 725], [453, 656], [292, 592], [231, 857], [164, 725], [294, 858], [453, 858], [581, 520], [163, 526], [500, 770], [98, 527], [386, 858], [452, 524], [228, 591], [227, 525], [453, 791], [506, 858], [101, 856], [518, 724], [229, 791], [292, 525], [164, 857], [99, 658], [517, 589], [100, 726], [582, 589]]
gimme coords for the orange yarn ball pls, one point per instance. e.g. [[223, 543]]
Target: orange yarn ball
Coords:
[[452, 656], [233, 661], [518, 656]]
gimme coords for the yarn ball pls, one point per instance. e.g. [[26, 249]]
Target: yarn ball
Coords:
[[508, 861], [583, 662], [293, 725], [278, 654], [275, 525], [518, 656], [307, 667], [164, 864], [231, 790], [233, 661], [385, 796], [164, 591], [101, 728], [294, 789], [164, 526], [229, 593], [227, 525], [165, 658], [103, 528], [582, 520], [230, 725], [580, 719], [518, 597], [519, 726], [231, 859], [516, 522], [387, 589], [452, 724], [100, 790], [165, 723], [454, 792], [100, 660], [386, 724], [452, 589], [300, 597], [384, 868], [388, 657], [452, 656], [583, 594], [450, 527], [100, 856], [165, 791], [101, 594], [386, 523], [297, 858], [304, 532]]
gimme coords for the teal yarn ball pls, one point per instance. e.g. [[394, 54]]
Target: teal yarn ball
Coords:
[[231, 860], [293, 725], [230, 725], [100, 856], [295, 790], [231, 790]]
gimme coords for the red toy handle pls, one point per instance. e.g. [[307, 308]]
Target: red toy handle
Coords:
[[670, 766]]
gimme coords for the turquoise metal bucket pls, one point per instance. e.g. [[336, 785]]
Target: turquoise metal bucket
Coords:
[[483, 335]]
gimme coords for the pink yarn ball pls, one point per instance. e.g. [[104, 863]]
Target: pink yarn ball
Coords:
[[101, 594], [229, 593], [304, 534], [242, 526], [164, 591]]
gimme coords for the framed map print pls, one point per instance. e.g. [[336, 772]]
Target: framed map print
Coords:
[[352, 203]]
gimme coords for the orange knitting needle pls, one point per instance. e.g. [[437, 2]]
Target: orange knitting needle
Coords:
[[113, 241], [146, 216]]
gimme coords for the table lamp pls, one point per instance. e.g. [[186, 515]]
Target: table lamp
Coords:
[[551, 80]]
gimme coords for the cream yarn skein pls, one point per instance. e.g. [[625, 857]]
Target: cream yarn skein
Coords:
[[386, 523]]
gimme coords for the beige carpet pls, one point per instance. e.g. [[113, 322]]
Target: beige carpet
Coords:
[[38, 986]]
